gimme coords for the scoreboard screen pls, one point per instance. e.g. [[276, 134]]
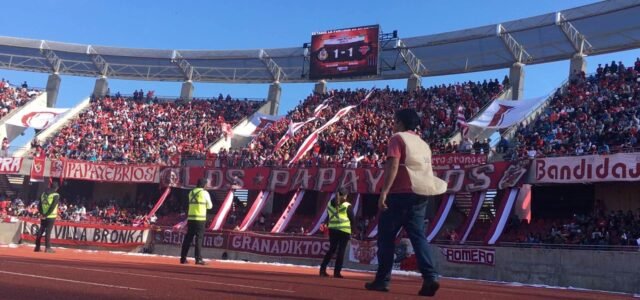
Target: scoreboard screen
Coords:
[[347, 52]]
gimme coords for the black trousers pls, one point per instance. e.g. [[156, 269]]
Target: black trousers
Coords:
[[338, 242], [194, 228], [46, 225]]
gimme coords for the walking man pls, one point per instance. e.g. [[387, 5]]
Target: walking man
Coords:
[[408, 180]]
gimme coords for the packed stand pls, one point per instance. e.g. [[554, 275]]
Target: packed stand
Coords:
[[359, 138], [596, 114], [12, 97], [144, 130], [107, 211], [599, 228]]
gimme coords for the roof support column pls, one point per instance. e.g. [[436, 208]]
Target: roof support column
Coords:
[[579, 42], [520, 56], [320, 87], [101, 88], [53, 87], [577, 65], [275, 90], [414, 82], [516, 78], [186, 93]]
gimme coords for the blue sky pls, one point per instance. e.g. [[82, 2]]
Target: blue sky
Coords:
[[243, 24]]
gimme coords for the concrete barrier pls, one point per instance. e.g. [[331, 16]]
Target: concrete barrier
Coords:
[[590, 269], [615, 271], [10, 233]]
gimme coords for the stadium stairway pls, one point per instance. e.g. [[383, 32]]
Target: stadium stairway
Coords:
[[511, 132], [51, 130], [11, 184]]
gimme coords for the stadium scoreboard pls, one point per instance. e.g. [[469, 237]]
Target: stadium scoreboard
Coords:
[[340, 53]]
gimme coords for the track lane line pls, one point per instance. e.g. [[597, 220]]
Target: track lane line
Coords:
[[72, 281], [159, 277]]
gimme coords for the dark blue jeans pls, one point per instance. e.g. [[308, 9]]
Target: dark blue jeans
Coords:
[[408, 211]]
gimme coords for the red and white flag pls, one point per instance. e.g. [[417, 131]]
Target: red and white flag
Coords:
[[37, 170], [461, 121], [227, 129], [291, 132], [321, 107], [313, 138], [366, 97]]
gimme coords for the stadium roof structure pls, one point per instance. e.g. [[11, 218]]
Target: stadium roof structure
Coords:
[[599, 28]]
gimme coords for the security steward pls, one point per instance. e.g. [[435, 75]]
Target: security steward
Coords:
[[48, 208], [341, 218], [199, 203]]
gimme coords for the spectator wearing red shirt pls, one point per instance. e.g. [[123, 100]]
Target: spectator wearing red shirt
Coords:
[[401, 206]]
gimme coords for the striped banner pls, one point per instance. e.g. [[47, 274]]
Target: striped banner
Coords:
[[288, 213], [322, 214], [255, 210], [357, 205], [502, 215], [218, 220], [441, 216], [159, 203], [476, 204]]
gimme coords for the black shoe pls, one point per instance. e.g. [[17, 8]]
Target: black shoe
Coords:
[[338, 275], [373, 286], [201, 262], [36, 250], [49, 250], [183, 261], [429, 288], [323, 273]]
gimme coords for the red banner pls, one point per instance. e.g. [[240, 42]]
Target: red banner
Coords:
[[269, 245], [499, 175], [457, 160], [477, 256], [37, 170], [110, 172], [591, 168], [10, 165], [78, 234]]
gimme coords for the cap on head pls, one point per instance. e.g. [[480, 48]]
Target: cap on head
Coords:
[[343, 191]]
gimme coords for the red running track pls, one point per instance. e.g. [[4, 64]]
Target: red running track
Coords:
[[73, 274]]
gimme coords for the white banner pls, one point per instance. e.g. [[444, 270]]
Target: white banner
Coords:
[[585, 169], [68, 233], [38, 118], [110, 172], [258, 122], [10, 165], [506, 113]]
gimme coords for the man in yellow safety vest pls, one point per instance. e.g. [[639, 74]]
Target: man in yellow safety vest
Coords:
[[199, 202], [48, 209], [340, 219]]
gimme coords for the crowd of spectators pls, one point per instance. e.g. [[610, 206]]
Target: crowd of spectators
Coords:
[[142, 129], [106, 211], [595, 114], [598, 228], [360, 137], [12, 97]]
